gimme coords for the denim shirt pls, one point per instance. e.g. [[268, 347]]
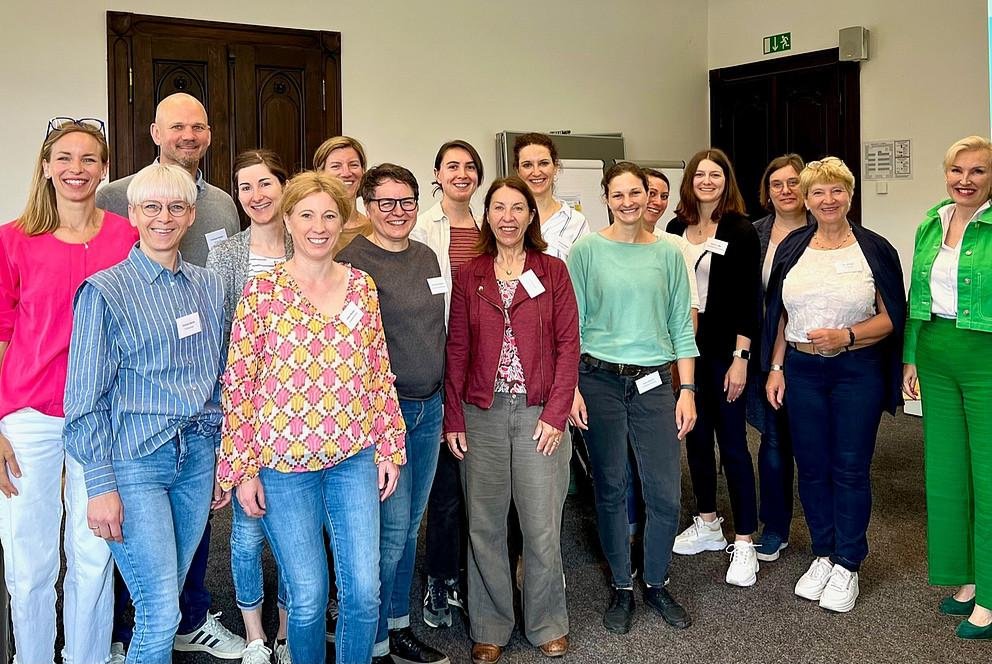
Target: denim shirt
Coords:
[[974, 276]]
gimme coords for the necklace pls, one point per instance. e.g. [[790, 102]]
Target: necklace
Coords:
[[507, 270], [816, 236]]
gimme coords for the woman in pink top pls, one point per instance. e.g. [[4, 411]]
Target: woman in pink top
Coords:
[[60, 239]]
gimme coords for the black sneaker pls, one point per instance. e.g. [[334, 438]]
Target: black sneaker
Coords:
[[662, 601], [620, 614], [384, 659], [332, 625], [453, 589], [436, 611], [406, 648]]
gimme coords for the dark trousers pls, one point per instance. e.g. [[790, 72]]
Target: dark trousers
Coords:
[[714, 415], [835, 405], [618, 414], [446, 533], [776, 473], [194, 600]]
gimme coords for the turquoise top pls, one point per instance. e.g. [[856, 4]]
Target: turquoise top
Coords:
[[633, 301]]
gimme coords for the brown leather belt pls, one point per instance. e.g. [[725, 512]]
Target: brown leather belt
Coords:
[[810, 349]]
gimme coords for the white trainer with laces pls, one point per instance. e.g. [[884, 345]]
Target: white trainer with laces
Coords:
[[281, 649], [256, 653], [117, 654], [841, 592], [700, 536], [212, 638], [811, 584], [743, 570]]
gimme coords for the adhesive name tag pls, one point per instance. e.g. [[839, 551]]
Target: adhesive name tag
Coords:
[[351, 315], [843, 267], [437, 285], [215, 237], [716, 246], [531, 283], [649, 382], [188, 325]]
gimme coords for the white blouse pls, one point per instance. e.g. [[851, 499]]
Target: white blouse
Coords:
[[562, 229], [699, 259], [944, 272], [766, 269], [830, 289]]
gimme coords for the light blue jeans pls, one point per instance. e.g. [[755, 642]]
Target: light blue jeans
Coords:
[[344, 499], [166, 497], [401, 513], [247, 538]]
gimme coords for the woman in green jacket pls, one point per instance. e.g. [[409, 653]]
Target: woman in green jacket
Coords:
[[950, 321]]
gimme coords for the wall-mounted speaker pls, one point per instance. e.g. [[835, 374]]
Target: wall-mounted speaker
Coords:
[[853, 43]]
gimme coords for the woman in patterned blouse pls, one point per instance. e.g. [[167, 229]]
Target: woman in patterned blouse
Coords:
[[310, 413], [512, 367]]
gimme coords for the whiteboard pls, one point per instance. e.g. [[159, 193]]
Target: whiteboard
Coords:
[[579, 186]]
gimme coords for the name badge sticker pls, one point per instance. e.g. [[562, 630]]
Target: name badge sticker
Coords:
[[649, 382], [531, 283], [351, 315], [215, 237], [845, 267], [437, 285], [715, 246], [188, 325]]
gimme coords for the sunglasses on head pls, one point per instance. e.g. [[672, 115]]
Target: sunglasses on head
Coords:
[[89, 123]]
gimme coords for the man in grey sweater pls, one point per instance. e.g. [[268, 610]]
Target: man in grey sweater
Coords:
[[182, 133]]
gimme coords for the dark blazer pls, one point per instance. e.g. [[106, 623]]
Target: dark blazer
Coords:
[[546, 329], [883, 260], [733, 296]]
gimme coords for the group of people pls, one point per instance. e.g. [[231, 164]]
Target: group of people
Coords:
[[336, 373]]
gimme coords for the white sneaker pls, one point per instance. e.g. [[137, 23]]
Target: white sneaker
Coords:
[[256, 653], [743, 570], [212, 638], [841, 592], [281, 649], [700, 536], [117, 654], [811, 584]]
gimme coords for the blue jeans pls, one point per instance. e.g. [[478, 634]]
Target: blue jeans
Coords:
[[344, 499], [401, 513], [166, 497], [835, 405], [247, 537], [775, 472], [618, 414]]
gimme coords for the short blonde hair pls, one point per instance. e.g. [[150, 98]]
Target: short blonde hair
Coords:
[[826, 170], [966, 144], [313, 182], [162, 181], [336, 143]]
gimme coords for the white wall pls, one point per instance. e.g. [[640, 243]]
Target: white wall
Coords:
[[414, 73], [927, 80]]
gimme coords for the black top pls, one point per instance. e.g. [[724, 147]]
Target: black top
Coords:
[[733, 295]]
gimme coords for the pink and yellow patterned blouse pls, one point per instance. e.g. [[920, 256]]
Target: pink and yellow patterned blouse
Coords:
[[302, 391]]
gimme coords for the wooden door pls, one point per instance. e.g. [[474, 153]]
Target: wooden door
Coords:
[[808, 104], [262, 87]]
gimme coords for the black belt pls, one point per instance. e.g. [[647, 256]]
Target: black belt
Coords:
[[621, 369]]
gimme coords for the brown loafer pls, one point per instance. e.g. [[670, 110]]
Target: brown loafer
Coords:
[[486, 653], [556, 647]]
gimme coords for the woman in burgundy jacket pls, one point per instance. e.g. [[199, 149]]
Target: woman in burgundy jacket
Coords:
[[512, 369]]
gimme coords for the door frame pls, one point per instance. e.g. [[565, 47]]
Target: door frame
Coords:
[[122, 27]]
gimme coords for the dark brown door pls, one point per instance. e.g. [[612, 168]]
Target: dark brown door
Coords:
[[262, 87], [808, 104]]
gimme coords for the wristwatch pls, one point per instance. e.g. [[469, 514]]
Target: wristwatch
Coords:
[[742, 353], [777, 367], [688, 386]]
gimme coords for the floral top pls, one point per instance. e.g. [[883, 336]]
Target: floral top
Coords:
[[509, 373], [302, 391]]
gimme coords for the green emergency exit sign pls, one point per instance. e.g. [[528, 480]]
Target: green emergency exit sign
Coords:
[[777, 43]]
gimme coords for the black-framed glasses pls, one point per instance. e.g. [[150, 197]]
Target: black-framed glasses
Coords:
[[60, 122], [389, 204], [154, 208]]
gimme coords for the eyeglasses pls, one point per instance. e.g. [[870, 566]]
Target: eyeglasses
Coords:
[[389, 204], [778, 185], [154, 208], [60, 122]]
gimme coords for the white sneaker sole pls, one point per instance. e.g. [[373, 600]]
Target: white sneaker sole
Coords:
[[772, 557], [198, 647], [813, 595], [745, 583], [700, 547], [840, 608]]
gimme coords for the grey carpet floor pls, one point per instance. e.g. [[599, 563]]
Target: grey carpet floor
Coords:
[[895, 619]]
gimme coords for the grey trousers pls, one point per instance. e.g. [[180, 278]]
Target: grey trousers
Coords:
[[502, 461]]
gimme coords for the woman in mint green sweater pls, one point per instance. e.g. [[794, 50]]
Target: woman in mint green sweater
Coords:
[[950, 321]]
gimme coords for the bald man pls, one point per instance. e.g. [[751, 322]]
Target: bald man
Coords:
[[182, 133]]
